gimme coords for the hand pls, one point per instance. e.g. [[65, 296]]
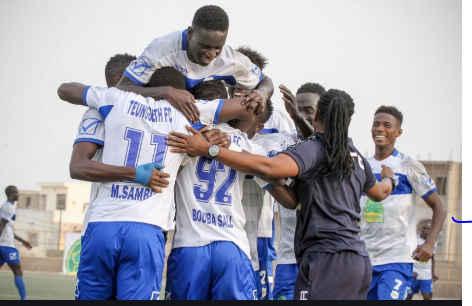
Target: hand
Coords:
[[424, 252], [216, 137], [27, 245], [148, 175], [435, 278], [194, 145], [255, 101], [290, 103], [184, 102], [386, 171], [415, 275]]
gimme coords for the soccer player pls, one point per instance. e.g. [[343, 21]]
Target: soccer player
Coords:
[[8, 252], [125, 228], [423, 272], [200, 54], [388, 227], [90, 133], [210, 218], [301, 109], [330, 175]]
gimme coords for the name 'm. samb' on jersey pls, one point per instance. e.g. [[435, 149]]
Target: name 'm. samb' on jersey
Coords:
[[388, 228], [170, 50], [208, 199], [135, 134]]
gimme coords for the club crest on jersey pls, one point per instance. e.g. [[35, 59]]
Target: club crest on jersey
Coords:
[[89, 126], [255, 70], [427, 180], [140, 66], [373, 212]]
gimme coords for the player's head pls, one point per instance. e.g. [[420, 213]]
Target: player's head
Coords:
[[307, 98], [334, 112], [210, 90], [167, 76], [386, 127], [12, 193], [257, 59], [207, 35], [260, 120], [116, 66], [425, 229]]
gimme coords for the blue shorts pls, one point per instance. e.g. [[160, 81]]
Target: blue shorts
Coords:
[[266, 267], [121, 260], [216, 271], [284, 282], [391, 281], [423, 285], [9, 255]]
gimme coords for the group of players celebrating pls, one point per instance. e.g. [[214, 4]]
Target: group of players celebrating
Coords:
[[185, 138]]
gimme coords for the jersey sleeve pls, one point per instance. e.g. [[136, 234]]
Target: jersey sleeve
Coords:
[[210, 111], [422, 183], [91, 128], [102, 98], [155, 56], [8, 212], [247, 75], [305, 155]]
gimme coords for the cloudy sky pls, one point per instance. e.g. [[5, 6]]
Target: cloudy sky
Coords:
[[406, 53]]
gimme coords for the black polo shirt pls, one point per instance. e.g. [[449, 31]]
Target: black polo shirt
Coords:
[[327, 219]]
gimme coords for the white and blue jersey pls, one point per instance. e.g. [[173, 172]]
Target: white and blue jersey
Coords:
[[208, 199], [8, 213], [279, 122], [170, 50], [91, 130], [139, 127], [388, 228]]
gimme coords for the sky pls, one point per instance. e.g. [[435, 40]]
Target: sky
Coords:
[[406, 53]]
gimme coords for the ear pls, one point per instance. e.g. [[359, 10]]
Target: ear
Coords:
[[189, 31], [399, 132], [259, 127]]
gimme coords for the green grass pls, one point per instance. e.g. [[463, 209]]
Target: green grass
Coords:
[[38, 286]]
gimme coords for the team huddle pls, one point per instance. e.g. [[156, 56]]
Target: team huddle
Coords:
[[185, 138]]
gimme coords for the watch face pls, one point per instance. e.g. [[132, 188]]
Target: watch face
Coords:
[[214, 150]]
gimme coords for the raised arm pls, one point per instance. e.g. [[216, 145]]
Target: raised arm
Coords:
[[72, 93], [292, 109], [382, 190], [257, 98]]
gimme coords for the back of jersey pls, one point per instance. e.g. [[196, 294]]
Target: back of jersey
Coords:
[[135, 131]]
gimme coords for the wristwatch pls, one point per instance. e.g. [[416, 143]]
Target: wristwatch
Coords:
[[213, 151], [394, 181]]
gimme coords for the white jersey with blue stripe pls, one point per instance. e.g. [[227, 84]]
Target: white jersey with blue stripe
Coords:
[[8, 213], [279, 122], [170, 50], [389, 227], [208, 199], [137, 128], [91, 129], [276, 143]]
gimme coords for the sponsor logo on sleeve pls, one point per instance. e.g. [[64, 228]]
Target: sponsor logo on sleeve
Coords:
[[89, 126]]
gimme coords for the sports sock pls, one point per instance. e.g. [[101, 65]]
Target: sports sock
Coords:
[[20, 284]]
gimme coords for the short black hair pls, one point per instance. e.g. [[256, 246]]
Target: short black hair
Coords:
[[311, 88], [392, 110], [117, 64], [256, 57], [9, 190], [210, 90], [167, 76], [211, 18]]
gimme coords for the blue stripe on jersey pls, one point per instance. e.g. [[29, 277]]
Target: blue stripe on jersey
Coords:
[[404, 185], [135, 80], [395, 153], [105, 110], [14, 217], [268, 186], [429, 193], [229, 79], [198, 126], [218, 111], [191, 83], [184, 40], [5, 219], [269, 131], [84, 95], [92, 140]]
